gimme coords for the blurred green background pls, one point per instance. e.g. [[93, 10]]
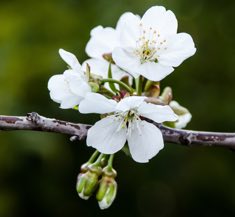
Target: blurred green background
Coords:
[[38, 170]]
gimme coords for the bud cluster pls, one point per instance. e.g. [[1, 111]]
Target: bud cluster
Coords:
[[93, 178]]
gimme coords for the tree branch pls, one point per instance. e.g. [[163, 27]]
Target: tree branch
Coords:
[[35, 122]]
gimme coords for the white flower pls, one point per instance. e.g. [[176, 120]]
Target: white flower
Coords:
[[110, 134], [184, 116], [69, 88], [150, 46], [102, 42]]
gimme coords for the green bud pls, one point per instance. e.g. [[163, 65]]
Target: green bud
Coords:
[[94, 87], [88, 179], [107, 188]]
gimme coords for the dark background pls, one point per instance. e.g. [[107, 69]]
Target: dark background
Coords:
[[38, 170]]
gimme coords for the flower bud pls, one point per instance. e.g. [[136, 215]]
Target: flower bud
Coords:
[[108, 57], [152, 89], [184, 116], [87, 181], [107, 189], [166, 95], [94, 87]]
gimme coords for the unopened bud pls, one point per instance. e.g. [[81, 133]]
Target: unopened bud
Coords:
[[184, 116], [152, 89], [166, 95], [108, 57], [107, 188], [94, 87], [88, 179]]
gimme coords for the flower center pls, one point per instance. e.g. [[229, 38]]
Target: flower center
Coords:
[[128, 117], [149, 45]]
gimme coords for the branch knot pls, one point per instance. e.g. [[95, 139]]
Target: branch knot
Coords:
[[33, 117]]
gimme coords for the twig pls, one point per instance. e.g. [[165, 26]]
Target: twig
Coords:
[[34, 121]]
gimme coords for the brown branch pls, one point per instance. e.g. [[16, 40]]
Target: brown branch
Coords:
[[34, 121]]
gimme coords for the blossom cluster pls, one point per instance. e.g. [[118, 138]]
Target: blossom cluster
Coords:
[[121, 82]]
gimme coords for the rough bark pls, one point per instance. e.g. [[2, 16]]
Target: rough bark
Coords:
[[36, 122]]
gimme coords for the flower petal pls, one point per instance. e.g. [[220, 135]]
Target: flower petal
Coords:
[[100, 67], [96, 103], [76, 83], [157, 113], [144, 140], [70, 101], [154, 71], [128, 29], [131, 102], [102, 41], [55, 82], [107, 136], [126, 60], [179, 48], [164, 22], [58, 88], [70, 59]]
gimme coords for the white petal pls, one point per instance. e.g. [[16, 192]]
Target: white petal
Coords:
[[126, 60], [96, 30], [131, 102], [157, 113], [164, 22], [107, 136], [98, 67], [60, 92], [154, 71], [70, 59], [76, 83], [144, 140], [128, 29], [179, 48], [96, 103], [70, 102], [183, 121], [55, 81], [58, 88], [102, 41]]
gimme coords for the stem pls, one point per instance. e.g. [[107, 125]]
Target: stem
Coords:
[[106, 92], [110, 80], [97, 162], [110, 162], [138, 85], [93, 157]]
